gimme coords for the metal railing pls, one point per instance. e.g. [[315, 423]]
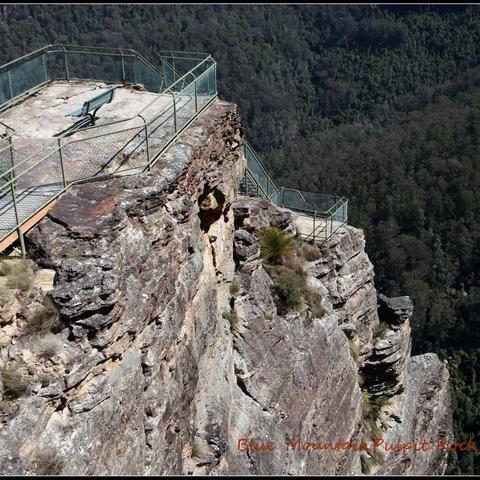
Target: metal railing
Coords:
[[124, 146], [322, 215]]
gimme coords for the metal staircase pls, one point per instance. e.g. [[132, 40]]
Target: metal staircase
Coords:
[[318, 216]]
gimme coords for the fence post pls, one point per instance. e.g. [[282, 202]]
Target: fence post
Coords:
[[44, 67], [61, 164], [174, 113], [147, 147], [11, 156], [196, 100], [17, 219], [123, 68], [10, 83], [215, 78], [67, 73]]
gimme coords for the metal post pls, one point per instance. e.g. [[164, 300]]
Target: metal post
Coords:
[[61, 164], [174, 113], [17, 219], [11, 156], [147, 146], [173, 68], [196, 100], [123, 68], [10, 84], [208, 83], [67, 73], [44, 67], [314, 216]]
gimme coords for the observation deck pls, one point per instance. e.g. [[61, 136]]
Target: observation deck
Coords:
[[40, 154], [130, 112]]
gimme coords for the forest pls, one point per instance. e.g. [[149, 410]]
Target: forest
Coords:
[[380, 104]]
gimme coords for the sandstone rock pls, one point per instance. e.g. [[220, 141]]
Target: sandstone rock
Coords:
[[162, 368]]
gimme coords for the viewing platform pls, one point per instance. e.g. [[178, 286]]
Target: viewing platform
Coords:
[[49, 141], [71, 114]]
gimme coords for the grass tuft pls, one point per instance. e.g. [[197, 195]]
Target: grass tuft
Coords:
[[275, 245], [43, 320], [19, 274], [14, 385], [46, 461]]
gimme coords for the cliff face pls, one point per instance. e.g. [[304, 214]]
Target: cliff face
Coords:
[[172, 345]]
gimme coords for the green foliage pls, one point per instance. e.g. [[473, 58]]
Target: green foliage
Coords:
[[234, 288], [275, 245], [232, 317], [14, 385], [371, 407], [310, 252], [290, 287], [380, 104]]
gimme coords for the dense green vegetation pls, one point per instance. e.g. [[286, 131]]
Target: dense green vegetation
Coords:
[[380, 104]]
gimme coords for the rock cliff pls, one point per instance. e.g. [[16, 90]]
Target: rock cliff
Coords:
[[172, 347]]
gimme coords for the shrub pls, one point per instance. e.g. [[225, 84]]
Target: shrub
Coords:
[[367, 464], [14, 385], [381, 329], [44, 319], [310, 252], [234, 288], [232, 317], [314, 301], [47, 347], [19, 274], [379, 402], [370, 414], [290, 287], [296, 264], [275, 245], [46, 461]]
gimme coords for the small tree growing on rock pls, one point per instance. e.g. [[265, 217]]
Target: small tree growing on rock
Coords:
[[275, 245]]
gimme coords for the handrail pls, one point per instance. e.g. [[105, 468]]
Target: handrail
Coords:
[[103, 125], [156, 99], [307, 205], [55, 153]]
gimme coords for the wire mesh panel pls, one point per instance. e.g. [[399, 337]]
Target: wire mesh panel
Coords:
[[56, 65], [185, 105], [169, 74], [161, 130], [259, 173], [6, 162], [113, 147], [5, 91], [27, 75], [92, 66], [145, 76], [317, 202], [292, 199], [100, 155], [206, 87], [178, 64]]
